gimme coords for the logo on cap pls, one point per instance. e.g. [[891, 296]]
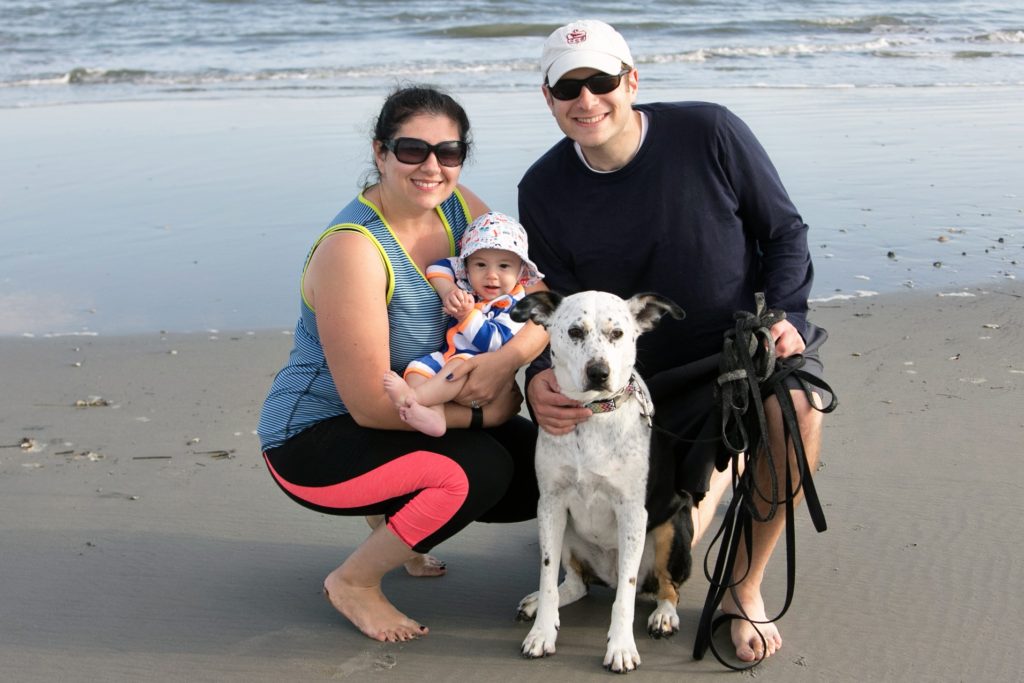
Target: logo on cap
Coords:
[[576, 36]]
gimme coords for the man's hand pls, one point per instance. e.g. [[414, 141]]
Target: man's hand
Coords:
[[555, 413], [787, 340]]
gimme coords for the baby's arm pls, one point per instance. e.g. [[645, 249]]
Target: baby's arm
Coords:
[[457, 302]]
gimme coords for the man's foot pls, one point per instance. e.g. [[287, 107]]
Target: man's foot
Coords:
[[419, 417], [425, 565], [370, 612], [751, 645]]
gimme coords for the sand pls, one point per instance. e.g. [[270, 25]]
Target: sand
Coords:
[[142, 538]]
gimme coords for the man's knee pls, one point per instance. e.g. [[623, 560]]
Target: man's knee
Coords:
[[808, 414]]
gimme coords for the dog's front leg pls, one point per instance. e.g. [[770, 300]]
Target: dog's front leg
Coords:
[[551, 518], [621, 655], [570, 590]]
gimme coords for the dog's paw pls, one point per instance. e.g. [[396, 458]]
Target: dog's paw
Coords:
[[622, 658], [663, 622], [540, 642], [527, 609]]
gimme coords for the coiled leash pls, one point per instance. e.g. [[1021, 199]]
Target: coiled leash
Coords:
[[749, 372]]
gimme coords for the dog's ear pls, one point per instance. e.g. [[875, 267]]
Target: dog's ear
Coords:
[[537, 307], [649, 308]]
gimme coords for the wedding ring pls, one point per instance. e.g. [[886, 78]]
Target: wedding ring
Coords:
[[474, 405]]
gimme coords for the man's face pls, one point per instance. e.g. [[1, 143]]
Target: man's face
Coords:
[[595, 120]]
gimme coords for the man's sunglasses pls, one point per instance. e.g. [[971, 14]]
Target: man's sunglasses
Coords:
[[416, 151], [598, 84]]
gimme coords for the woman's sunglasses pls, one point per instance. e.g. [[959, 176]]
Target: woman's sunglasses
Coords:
[[415, 151], [598, 84]]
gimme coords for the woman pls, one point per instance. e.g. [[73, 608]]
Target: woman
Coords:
[[332, 438]]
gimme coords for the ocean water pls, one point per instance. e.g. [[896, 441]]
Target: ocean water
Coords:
[[88, 50], [166, 163]]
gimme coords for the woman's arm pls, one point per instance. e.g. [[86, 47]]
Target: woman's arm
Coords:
[[345, 283], [505, 406]]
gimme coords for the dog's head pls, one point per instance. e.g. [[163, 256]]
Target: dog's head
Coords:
[[593, 336]]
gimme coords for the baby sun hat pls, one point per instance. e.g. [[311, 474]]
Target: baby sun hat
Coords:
[[494, 230]]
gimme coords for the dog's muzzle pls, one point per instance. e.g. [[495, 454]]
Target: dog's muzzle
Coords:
[[597, 375]]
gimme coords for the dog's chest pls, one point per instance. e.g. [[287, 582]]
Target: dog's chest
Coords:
[[605, 459]]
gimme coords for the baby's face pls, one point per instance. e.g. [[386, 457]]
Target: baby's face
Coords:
[[493, 272]]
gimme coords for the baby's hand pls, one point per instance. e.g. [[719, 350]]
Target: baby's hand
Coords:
[[458, 303]]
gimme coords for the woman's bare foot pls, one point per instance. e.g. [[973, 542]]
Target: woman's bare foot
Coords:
[[369, 611], [424, 419], [426, 565], [751, 645]]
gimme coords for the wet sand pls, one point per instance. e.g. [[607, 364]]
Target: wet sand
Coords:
[[142, 538]]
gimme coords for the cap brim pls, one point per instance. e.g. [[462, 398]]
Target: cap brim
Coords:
[[582, 59]]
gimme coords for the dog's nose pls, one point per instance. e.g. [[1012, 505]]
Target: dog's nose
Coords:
[[597, 373]]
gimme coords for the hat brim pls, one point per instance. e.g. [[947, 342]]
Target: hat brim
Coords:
[[582, 59]]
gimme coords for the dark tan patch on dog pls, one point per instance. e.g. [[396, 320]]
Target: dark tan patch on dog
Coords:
[[663, 537]]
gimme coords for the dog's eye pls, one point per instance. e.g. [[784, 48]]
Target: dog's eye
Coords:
[[576, 333], [615, 335]]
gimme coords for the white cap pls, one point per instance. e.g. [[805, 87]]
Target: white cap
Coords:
[[587, 44]]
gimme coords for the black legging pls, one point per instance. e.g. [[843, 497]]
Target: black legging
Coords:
[[428, 488]]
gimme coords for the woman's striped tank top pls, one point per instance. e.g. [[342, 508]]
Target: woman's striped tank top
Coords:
[[303, 393]]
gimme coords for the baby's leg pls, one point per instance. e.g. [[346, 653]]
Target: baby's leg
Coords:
[[397, 389], [436, 390], [428, 419]]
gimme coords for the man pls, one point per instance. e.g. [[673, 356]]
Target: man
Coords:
[[682, 200]]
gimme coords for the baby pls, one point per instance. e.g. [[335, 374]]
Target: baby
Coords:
[[478, 288]]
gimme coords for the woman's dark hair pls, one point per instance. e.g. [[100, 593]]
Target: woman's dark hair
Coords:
[[406, 102]]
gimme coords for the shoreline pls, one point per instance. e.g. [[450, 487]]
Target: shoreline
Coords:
[[375, 93], [144, 538], [1009, 286]]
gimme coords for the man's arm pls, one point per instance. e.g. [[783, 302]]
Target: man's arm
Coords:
[[769, 214]]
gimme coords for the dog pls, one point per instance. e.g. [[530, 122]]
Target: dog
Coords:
[[601, 512]]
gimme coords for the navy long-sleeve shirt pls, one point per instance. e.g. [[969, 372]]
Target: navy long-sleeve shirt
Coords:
[[698, 215]]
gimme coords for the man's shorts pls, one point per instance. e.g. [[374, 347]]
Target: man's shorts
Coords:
[[684, 405]]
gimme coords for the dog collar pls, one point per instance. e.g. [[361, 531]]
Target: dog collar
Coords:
[[633, 388]]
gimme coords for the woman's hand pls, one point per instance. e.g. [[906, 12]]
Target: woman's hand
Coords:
[[487, 375]]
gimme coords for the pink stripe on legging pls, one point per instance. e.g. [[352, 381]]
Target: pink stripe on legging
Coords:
[[442, 484]]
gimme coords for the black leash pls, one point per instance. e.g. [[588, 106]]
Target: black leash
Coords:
[[749, 373]]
